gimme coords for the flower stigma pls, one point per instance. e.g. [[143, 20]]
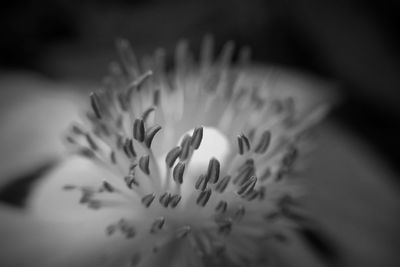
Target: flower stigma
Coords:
[[202, 154]]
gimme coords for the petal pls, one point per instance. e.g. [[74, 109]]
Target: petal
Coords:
[[352, 194], [28, 242], [34, 114], [49, 201]]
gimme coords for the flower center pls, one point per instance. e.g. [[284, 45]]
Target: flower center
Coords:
[[214, 195]]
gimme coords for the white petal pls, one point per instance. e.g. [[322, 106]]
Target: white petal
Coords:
[[34, 114], [29, 242], [352, 194], [50, 202]]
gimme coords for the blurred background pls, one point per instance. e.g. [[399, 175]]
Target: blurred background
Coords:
[[352, 43]]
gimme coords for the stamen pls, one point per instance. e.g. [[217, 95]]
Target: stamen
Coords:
[[108, 187], [177, 174], [197, 137], [183, 231], [213, 171], [224, 226], [203, 197], [95, 102], [172, 155], [221, 207], [113, 157], [175, 200], [150, 135], [156, 97], [246, 141], [138, 130], [266, 174], [165, 199], [247, 187], [129, 149], [263, 143], [135, 260], [111, 229], [201, 183], [131, 181], [245, 172], [127, 229], [91, 142], [144, 164], [157, 225], [239, 213], [185, 145], [148, 199], [223, 183], [147, 113], [240, 145]]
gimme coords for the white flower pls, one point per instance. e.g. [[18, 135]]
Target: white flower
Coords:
[[217, 184]]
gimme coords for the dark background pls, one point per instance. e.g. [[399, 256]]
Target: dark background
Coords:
[[352, 43]]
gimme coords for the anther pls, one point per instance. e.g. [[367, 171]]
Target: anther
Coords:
[[111, 229], [156, 98], [266, 174], [130, 181], [172, 155], [261, 192], [138, 130], [263, 143], [129, 149], [243, 176], [203, 197], [123, 101], [108, 187], [290, 157], [151, 132], [246, 142], [94, 204], [175, 200], [148, 199], [218, 248], [221, 207], [253, 195], [178, 171], [77, 130], [240, 145], [201, 183], [185, 145], [213, 171], [95, 103], [69, 187], [147, 113], [157, 225], [223, 183], [113, 157], [225, 226], [86, 152], [247, 187], [130, 232], [239, 213], [197, 137], [91, 142], [135, 260], [140, 80], [183, 231], [165, 199], [144, 162]]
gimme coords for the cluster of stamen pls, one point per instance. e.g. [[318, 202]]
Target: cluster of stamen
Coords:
[[222, 209]]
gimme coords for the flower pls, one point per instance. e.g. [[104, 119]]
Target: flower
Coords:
[[200, 158], [196, 165]]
